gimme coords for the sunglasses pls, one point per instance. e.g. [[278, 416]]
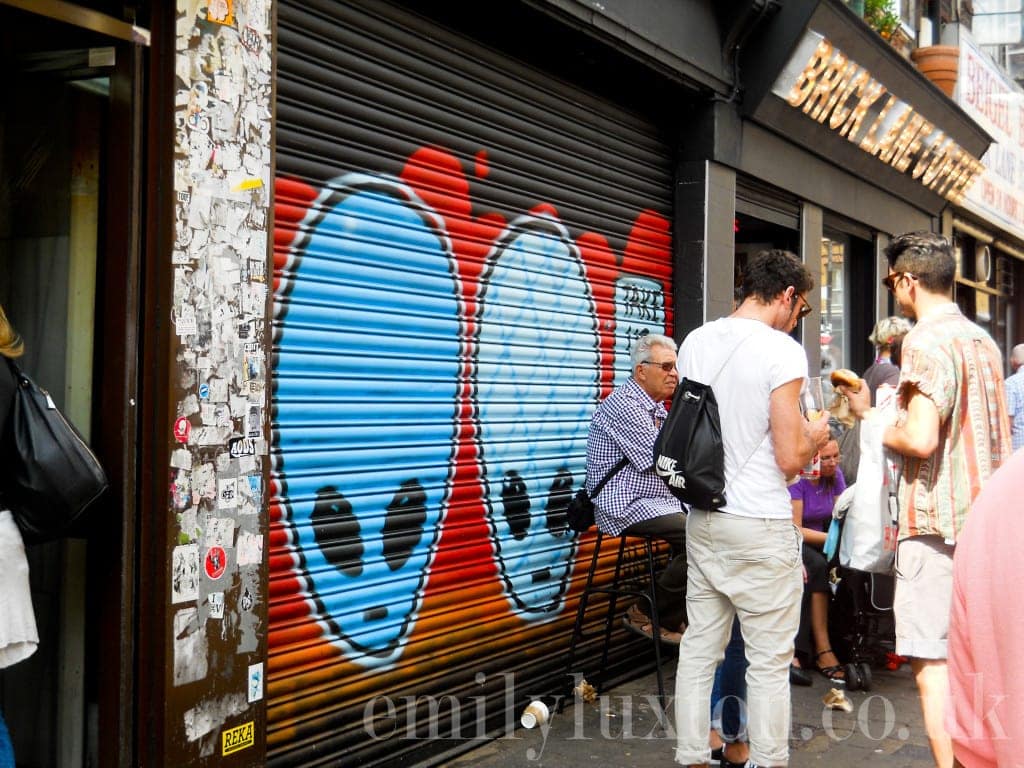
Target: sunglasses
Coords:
[[892, 280], [667, 366], [805, 310]]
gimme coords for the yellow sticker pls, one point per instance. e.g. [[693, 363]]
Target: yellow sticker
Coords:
[[238, 738], [247, 184]]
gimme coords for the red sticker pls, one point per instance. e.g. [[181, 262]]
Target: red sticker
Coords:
[[182, 429], [216, 562]]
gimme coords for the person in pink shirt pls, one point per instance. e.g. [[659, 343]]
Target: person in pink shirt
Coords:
[[985, 709]]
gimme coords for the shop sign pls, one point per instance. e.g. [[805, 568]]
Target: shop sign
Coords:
[[997, 104], [843, 96]]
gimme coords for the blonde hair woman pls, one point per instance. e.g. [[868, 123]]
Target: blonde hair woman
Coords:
[[10, 341], [18, 635]]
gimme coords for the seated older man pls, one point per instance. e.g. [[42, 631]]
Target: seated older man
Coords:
[[635, 500]]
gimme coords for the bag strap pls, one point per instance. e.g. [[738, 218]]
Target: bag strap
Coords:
[[735, 349], [611, 473]]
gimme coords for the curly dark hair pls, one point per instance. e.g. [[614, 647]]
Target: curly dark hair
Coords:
[[771, 272], [927, 256]]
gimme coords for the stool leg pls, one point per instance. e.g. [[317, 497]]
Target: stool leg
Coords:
[[577, 629], [655, 624], [610, 617]]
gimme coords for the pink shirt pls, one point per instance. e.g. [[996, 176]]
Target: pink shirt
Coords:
[[985, 713]]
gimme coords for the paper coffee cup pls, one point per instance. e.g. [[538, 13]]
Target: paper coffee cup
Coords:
[[536, 713]]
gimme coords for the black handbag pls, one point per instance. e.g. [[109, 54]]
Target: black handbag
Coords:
[[50, 475], [580, 512]]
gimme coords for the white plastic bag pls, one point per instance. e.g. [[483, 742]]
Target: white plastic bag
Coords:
[[868, 541]]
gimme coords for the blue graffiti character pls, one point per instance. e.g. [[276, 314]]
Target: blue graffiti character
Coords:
[[536, 385], [365, 394]]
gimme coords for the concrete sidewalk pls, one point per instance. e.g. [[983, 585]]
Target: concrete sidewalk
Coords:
[[622, 730]]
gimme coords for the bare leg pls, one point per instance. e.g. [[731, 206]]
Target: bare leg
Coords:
[[819, 628], [933, 685]]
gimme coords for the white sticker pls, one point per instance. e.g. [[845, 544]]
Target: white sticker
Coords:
[[185, 573], [255, 687], [219, 390], [220, 531], [250, 548], [181, 458], [227, 493], [216, 603], [185, 323]]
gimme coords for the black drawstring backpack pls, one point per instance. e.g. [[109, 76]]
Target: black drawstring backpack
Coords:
[[688, 452], [50, 475]]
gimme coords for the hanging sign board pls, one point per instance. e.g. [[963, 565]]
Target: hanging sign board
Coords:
[[997, 104]]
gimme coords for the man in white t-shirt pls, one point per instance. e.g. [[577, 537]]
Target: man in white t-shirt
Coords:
[[744, 560]]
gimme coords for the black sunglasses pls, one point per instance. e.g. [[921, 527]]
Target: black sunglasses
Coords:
[[667, 366], [805, 310]]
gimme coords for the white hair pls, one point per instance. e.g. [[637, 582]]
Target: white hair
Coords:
[[642, 347], [1017, 355]]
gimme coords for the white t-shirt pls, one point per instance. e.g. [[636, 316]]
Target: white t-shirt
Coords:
[[767, 360]]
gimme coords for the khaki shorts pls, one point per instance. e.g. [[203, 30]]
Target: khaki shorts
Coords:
[[924, 594]]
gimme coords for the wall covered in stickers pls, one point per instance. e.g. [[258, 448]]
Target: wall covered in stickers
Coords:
[[464, 251], [217, 632]]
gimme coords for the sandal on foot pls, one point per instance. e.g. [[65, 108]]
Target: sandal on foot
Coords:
[[636, 622], [834, 672]]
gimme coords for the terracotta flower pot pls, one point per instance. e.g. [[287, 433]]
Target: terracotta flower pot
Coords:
[[940, 64]]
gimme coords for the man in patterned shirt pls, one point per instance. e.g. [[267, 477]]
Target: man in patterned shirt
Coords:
[[636, 500], [953, 432], [1015, 396]]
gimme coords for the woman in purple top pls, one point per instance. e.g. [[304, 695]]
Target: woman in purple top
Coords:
[[813, 500]]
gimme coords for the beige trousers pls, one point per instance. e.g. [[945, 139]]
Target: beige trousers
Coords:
[[751, 568]]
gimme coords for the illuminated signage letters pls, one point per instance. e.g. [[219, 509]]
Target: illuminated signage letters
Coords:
[[837, 92]]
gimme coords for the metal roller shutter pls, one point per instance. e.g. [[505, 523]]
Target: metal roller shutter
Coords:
[[465, 249]]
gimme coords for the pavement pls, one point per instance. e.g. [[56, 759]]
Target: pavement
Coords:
[[622, 729]]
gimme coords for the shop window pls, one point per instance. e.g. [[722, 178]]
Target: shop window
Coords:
[[834, 248], [983, 285]]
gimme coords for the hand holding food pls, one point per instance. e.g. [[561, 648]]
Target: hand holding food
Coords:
[[847, 378]]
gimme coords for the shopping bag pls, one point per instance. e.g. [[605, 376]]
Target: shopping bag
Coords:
[[868, 541]]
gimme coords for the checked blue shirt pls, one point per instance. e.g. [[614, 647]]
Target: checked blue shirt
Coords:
[[626, 424], [1015, 406]]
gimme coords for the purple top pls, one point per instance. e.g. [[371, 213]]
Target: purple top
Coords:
[[818, 500]]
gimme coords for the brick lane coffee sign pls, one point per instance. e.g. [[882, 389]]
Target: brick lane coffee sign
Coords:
[[843, 96]]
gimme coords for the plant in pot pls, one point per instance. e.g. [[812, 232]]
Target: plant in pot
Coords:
[[882, 17]]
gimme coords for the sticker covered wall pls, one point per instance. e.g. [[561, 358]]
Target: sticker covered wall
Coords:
[[461, 264], [217, 523]]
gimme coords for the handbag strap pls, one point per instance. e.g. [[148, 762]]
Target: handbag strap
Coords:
[[610, 474]]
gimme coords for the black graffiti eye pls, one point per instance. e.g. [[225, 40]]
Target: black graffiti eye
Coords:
[[403, 526], [337, 531], [559, 496], [516, 503]]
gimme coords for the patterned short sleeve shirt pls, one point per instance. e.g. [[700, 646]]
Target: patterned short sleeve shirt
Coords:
[[626, 424], [959, 368]]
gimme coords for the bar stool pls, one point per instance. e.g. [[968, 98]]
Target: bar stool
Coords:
[[619, 587]]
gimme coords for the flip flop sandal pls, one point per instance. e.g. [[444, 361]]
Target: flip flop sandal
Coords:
[[834, 672]]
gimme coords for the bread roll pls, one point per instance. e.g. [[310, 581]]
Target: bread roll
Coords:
[[846, 378]]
